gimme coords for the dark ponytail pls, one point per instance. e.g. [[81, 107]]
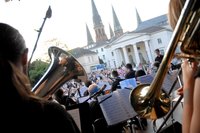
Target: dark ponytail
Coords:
[[12, 80]]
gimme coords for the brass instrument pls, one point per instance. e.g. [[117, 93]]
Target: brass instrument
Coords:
[[148, 100], [63, 67]]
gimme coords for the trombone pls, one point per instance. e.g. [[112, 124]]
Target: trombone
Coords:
[[149, 101]]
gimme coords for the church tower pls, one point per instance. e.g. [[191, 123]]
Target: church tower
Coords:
[[138, 17], [111, 32], [117, 27], [98, 25]]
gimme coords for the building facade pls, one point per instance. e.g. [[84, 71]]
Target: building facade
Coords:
[[136, 47], [85, 57]]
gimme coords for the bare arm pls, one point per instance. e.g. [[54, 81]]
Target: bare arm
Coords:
[[189, 71], [194, 127]]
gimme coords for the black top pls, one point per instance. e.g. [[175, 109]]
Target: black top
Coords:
[[130, 74], [115, 84], [159, 58], [96, 111], [36, 117]]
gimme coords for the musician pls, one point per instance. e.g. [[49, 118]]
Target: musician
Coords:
[[117, 79], [191, 76], [130, 73], [143, 121], [159, 56], [95, 108], [21, 110], [97, 116]]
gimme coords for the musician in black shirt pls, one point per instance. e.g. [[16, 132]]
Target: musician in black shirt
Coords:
[[130, 73], [117, 79], [159, 56]]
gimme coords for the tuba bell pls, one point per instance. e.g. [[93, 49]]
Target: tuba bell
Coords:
[[63, 67], [149, 101]]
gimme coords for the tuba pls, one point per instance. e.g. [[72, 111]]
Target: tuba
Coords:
[[149, 101], [63, 67]]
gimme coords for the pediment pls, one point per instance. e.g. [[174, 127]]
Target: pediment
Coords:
[[127, 36]]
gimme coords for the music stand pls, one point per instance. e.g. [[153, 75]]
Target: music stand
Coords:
[[81, 115]]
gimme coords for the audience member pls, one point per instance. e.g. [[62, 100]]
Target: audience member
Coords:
[[20, 108]]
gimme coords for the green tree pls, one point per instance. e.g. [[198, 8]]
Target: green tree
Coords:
[[37, 70]]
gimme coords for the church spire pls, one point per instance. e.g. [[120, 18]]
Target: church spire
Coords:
[[111, 32], [98, 25], [138, 17], [96, 17], [117, 27], [89, 37]]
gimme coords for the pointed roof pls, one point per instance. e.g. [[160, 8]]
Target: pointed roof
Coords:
[[96, 16], [157, 21], [138, 17], [117, 25], [89, 36], [111, 31]]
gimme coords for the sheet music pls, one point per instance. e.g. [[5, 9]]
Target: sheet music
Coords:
[[117, 108], [82, 99], [167, 83], [125, 102], [76, 116], [128, 83], [146, 79]]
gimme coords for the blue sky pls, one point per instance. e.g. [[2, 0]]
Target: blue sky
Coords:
[[70, 16]]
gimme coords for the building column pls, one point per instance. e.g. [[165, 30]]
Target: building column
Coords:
[[136, 54], [116, 52], [148, 50], [125, 55]]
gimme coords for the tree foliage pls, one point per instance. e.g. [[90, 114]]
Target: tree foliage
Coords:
[[37, 70]]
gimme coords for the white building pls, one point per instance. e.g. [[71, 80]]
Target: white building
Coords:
[[136, 47], [85, 57]]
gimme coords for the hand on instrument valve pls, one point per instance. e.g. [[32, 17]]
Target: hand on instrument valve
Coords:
[[189, 68], [180, 91]]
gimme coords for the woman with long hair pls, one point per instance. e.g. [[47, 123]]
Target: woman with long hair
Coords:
[[21, 110], [191, 75]]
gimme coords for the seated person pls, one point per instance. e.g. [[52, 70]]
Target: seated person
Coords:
[[143, 121], [21, 109], [117, 79], [58, 96], [139, 73], [155, 67], [97, 116], [130, 73], [87, 84], [95, 108]]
